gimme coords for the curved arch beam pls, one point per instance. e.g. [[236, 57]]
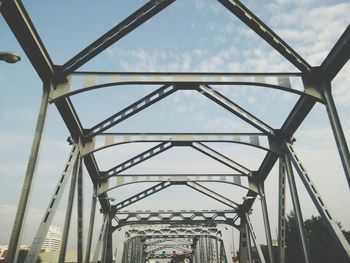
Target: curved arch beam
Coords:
[[102, 141], [241, 181], [97, 80]]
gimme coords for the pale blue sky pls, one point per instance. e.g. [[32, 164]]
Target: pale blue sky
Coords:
[[198, 35]]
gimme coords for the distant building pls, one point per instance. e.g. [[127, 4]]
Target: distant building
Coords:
[[53, 240], [4, 251]]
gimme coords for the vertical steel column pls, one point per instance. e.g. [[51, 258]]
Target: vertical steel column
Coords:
[[266, 223], [253, 236], [318, 202], [91, 228], [244, 243], [23, 202], [100, 240], [201, 249], [337, 130], [107, 253], [282, 211], [80, 213], [49, 214], [67, 220], [297, 210]]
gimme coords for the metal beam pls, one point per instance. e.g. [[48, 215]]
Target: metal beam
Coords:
[[318, 202], [22, 27], [282, 222], [266, 224], [80, 223], [221, 158], [337, 57], [126, 179], [212, 94], [204, 190], [91, 228], [68, 216], [140, 16], [338, 132], [99, 242], [255, 241], [150, 191], [137, 160], [29, 176], [71, 119], [41, 233], [106, 140], [297, 210], [259, 27], [97, 80], [191, 217], [299, 112], [132, 109]]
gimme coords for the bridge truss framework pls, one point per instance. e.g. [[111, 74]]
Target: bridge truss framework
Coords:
[[277, 142]]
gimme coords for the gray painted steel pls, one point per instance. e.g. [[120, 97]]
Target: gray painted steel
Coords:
[[57, 86]]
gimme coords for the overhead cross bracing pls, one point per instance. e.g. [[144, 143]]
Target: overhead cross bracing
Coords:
[[311, 85]]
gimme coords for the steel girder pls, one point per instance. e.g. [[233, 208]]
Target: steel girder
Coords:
[[140, 16], [170, 217], [163, 185], [259, 27], [97, 80], [337, 57], [22, 27], [106, 140], [244, 182]]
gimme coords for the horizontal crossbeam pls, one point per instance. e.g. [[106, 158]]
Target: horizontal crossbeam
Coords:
[[105, 140], [180, 232], [95, 80], [249, 183], [207, 217]]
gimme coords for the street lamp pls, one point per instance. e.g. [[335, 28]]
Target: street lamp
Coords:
[[9, 57]]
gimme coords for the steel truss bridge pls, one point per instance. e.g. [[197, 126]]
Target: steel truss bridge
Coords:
[[193, 231]]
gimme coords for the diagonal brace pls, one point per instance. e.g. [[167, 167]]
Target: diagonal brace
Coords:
[[132, 109], [317, 200], [215, 96], [221, 158], [259, 27], [144, 13], [137, 159], [150, 191], [41, 233], [204, 190]]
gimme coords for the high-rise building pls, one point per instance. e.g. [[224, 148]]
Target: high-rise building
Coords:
[[53, 239]]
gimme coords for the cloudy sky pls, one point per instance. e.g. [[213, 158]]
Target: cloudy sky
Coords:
[[198, 36]]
